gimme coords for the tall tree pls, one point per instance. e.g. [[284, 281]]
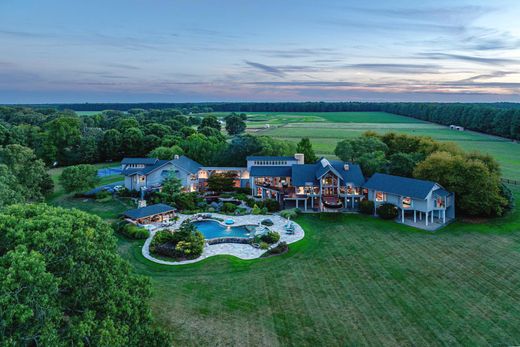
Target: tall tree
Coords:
[[79, 178], [235, 125], [111, 145], [305, 147], [29, 171], [476, 188], [64, 284], [210, 121]]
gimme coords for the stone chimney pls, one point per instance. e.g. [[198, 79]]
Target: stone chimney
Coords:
[[346, 167], [176, 156], [300, 157]]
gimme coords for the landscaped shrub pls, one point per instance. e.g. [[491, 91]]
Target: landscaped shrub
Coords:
[[270, 205], [280, 248], [103, 196], [228, 207], [366, 206], [270, 237], [256, 210], [185, 243], [264, 245], [290, 213], [387, 211], [245, 191], [130, 230]]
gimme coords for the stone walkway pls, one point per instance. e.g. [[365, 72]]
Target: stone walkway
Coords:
[[242, 251]]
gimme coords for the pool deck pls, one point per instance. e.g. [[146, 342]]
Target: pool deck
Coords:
[[241, 251]]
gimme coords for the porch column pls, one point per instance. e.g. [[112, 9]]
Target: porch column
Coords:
[[443, 216], [426, 218], [402, 215], [345, 201], [296, 203], [352, 202], [312, 203], [305, 201], [432, 216], [415, 216]]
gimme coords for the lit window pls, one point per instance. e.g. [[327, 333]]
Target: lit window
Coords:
[[407, 202], [380, 196]]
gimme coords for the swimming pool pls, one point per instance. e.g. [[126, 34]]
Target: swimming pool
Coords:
[[212, 230]]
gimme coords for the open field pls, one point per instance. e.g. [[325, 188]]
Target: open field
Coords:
[[326, 129], [353, 280]]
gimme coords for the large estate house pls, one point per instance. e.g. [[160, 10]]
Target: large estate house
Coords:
[[323, 186]]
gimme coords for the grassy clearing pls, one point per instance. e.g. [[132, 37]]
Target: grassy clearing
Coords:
[[353, 280], [325, 134], [108, 210]]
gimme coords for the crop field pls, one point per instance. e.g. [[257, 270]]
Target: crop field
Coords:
[[353, 280], [326, 129]]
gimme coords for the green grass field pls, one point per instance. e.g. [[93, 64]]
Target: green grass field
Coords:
[[326, 129], [353, 280], [108, 210]]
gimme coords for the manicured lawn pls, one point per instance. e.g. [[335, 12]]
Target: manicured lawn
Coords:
[[353, 280], [326, 129]]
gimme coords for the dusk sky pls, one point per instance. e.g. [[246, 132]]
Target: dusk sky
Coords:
[[265, 50]]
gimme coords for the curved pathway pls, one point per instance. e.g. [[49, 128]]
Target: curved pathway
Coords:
[[242, 251]]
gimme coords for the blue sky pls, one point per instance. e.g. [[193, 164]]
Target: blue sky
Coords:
[[264, 50]]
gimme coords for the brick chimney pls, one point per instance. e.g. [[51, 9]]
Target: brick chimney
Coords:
[[346, 167], [300, 157]]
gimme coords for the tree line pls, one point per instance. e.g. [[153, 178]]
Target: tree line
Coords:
[[500, 119]]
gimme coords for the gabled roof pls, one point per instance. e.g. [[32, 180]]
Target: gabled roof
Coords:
[[187, 164], [352, 175], [323, 166], [182, 162], [145, 170], [148, 211], [303, 174], [142, 161], [404, 186], [270, 171], [255, 157]]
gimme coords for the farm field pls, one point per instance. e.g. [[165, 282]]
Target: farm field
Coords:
[[326, 129], [353, 280]]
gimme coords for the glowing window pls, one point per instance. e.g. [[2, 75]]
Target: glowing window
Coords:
[[407, 202], [380, 196]]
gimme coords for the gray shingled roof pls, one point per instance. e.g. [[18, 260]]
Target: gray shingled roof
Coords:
[[145, 170], [182, 162], [309, 173], [187, 164], [398, 185], [259, 157], [148, 211], [270, 171], [143, 161]]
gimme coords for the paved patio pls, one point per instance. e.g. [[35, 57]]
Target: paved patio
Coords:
[[242, 251]]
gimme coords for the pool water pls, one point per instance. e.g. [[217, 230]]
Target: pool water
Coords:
[[213, 230]]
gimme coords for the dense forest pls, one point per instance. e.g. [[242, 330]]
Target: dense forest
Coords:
[[500, 119], [62, 138]]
